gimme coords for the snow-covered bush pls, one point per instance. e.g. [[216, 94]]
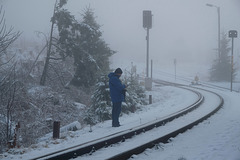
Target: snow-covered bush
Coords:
[[135, 95], [101, 102]]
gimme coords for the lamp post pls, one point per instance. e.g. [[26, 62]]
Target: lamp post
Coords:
[[218, 11]]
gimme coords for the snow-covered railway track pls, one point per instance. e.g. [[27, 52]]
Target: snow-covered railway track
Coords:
[[125, 135], [212, 103]]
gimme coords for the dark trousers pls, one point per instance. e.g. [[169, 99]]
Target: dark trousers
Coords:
[[116, 110]]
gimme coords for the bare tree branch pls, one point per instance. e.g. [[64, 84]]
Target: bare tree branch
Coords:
[[7, 36]]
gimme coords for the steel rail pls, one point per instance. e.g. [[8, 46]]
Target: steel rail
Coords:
[[165, 138], [91, 146], [216, 86], [201, 83]]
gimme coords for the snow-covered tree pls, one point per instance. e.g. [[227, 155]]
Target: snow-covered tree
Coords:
[[101, 102], [135, 95], [7, 37], [62, 18], [221, 68], [82, 41], [9, 85]]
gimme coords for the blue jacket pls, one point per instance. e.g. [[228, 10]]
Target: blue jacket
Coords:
[[116, 88]]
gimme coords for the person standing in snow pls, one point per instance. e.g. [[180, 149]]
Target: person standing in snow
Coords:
[[117, 90]]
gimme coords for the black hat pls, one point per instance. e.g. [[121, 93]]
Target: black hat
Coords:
[[118, 71]]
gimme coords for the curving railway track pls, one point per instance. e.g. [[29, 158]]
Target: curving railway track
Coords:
[[125, 143]]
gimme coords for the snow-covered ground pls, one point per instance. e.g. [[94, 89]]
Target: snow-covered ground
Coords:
[[217, 138]]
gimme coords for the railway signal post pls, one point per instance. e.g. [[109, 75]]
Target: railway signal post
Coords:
[[232, 34], [147, 24]]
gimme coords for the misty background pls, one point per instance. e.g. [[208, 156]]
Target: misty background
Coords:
[[44, 86], [186, 30]]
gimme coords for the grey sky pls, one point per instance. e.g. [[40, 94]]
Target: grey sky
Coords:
[[182, 29]]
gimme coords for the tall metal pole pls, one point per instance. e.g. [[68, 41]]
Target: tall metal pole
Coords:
[[147, 70], [147, 23], [219, 45], [232, 65], [175, 67], [232, 34], [219, 54], [151, 68]]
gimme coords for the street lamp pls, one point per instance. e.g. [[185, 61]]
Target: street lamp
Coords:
[[218, 11]]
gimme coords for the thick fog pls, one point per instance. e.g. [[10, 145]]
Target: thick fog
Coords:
[[183, 29]]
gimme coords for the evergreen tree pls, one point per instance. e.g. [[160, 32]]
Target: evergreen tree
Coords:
[[135, 96], [96, 45], [221, 68], [83, 41], [101, 102]]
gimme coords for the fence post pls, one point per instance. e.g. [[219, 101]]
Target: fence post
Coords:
[[56, 129]]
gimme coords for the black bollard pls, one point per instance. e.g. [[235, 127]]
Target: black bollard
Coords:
[[56, 129], [150, 99]]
